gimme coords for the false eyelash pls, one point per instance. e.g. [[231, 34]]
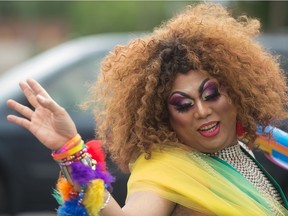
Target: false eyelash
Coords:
[[212, 96], [183, 108]]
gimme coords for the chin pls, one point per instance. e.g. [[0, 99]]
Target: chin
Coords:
[[211, 149]]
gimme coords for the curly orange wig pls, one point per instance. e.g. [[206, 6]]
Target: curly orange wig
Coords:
[[136, 79]]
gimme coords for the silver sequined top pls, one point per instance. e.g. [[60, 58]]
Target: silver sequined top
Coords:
[[236, 157]]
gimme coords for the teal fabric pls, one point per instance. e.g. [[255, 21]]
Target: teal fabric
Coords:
[[237, 179], [244, 181]]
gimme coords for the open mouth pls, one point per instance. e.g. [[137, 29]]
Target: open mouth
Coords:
[[210, 130]]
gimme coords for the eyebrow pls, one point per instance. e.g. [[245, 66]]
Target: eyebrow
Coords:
[[181, 93], [200, 89]]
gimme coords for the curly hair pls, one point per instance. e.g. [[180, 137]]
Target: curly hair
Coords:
[[135, 80]]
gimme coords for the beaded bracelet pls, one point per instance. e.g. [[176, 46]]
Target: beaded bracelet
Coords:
[[91, 174], [106, 201], [73, 158]]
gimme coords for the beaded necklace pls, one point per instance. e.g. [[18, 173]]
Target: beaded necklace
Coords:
[[236, 157]]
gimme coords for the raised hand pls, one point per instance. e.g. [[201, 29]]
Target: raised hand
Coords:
[[48, 122]]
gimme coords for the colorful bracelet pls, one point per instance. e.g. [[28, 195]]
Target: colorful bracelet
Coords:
[[70, 144], [73, 158], [69, 152], [93, 179], [106, 201], [85, 159]]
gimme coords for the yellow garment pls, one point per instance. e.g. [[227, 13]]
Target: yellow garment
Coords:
[[198, 182]]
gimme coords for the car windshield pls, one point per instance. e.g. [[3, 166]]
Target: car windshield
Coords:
[[70, 87]]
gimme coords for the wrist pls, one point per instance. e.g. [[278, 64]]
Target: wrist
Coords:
[[70, 147], [84, 180]]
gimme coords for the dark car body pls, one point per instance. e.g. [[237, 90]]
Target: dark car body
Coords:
[[28, 173]]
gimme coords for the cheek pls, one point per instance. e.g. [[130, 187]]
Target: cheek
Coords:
[[227, 109], [177, 119]]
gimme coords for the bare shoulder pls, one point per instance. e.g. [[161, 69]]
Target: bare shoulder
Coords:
[[148, 204], [183, 211]]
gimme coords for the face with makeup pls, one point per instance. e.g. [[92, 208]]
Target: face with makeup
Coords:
[[200, 114]]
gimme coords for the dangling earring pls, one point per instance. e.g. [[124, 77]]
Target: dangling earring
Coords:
[[239, 129]]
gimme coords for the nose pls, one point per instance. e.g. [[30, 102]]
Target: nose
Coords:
[[202, 110]]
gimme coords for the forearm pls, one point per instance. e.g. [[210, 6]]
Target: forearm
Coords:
[[112, 209], [53, 127]]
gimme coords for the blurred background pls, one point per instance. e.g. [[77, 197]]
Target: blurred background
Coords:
[[30, 27], [63, 42]]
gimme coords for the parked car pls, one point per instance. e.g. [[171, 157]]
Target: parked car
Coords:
[[28, 174]]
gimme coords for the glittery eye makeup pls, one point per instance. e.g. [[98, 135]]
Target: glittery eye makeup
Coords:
[[181, 101], [210, 91]]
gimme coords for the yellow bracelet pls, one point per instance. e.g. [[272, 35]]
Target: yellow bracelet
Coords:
[[70, 144], [68, 153]]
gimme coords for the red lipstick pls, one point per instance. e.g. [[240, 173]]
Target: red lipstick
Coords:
[[209, 129]]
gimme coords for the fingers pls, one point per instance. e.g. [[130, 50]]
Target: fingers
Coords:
[[29, 94], [49, 104], [23, 110], [37, 88], [19, 121], [37, 95]]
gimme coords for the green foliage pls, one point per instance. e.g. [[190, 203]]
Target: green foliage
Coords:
[[95, 17], [272, 14], [89, 17], [256, 9]]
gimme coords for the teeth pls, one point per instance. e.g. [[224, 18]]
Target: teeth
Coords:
[[212, 129], [209, 128]]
